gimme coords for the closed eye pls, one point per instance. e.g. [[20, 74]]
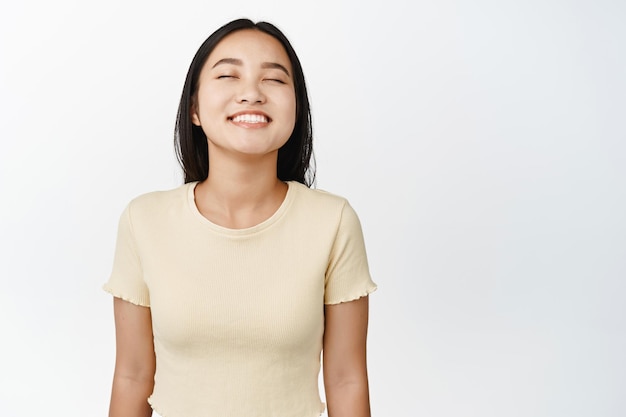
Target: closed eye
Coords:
[[225, 76], [275, 80]]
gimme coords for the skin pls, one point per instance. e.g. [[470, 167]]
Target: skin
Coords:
[[344, 360], [133, 379], [247, 73], [243, 75]]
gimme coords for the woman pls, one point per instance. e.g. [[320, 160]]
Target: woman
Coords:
[[227, 289]]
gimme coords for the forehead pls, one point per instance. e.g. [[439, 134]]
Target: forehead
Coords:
[[250, 46]]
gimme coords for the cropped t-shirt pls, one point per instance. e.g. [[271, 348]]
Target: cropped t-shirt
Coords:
[[238, 314]]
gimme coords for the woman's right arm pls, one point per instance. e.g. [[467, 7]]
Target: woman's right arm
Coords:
[[133, 380]]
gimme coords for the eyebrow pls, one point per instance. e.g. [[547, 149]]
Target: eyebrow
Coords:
[[239, 62]]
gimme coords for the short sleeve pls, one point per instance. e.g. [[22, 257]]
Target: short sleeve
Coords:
[[126, 280], [348, 277]]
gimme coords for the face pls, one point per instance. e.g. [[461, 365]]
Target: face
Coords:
[[245, 102]]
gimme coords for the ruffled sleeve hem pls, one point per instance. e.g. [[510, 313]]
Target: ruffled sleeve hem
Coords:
[[352, 296], [142, 301]]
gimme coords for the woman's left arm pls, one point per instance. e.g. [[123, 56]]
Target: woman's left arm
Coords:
[[345, 364]]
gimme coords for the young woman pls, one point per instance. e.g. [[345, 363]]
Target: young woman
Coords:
[[228, 288]]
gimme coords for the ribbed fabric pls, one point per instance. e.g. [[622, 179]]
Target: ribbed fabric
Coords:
[[238, 315]]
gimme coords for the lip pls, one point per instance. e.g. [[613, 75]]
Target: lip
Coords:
[[254, 112]]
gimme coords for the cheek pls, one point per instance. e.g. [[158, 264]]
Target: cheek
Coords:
[[290, 106], [209, 100]]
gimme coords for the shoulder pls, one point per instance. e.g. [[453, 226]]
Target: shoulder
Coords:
[[323, 206], [156, 202], [318, 198]]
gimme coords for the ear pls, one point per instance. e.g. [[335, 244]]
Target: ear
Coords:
[[195, 119]]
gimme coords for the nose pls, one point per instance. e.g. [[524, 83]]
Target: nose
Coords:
[[250, 93]]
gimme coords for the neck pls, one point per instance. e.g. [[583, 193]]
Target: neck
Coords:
[[242, 180], [240, 194]]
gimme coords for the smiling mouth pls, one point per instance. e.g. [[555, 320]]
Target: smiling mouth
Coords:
[[250, 118]]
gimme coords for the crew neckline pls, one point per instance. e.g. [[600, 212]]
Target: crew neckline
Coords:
[[191, 200]]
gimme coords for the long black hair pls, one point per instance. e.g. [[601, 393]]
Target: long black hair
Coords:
[[295, 157]]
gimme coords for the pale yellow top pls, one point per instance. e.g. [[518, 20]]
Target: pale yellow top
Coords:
[[238, 315]]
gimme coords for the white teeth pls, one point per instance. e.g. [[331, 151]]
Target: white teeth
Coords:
[[250, 118]]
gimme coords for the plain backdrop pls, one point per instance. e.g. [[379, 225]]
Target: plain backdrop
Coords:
[[483, 145]]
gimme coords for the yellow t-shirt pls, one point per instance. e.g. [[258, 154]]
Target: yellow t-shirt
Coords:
[[238, 315]]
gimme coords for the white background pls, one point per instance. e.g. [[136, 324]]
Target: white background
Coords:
[[482, 143]]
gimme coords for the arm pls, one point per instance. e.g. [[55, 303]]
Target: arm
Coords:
[[345, 365], [134, 363]]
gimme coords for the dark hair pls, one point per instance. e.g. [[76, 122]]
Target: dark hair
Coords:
[[295, 157]]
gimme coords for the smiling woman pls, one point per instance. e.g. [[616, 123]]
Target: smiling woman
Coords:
[[245, 100], [228, 289]]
